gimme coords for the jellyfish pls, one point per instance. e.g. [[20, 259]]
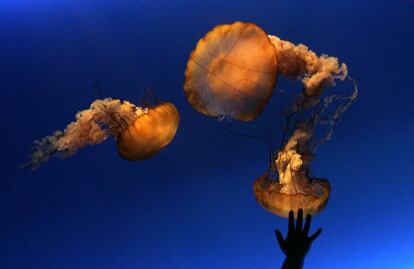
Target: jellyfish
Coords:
[[140, 132], [294, 189], [232, 73]]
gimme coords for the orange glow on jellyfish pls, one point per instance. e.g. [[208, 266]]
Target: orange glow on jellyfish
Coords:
[[232, 73], [149, 133], [294, 189], [141, 132]]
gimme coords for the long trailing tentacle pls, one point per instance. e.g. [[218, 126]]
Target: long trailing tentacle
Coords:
[[332, 120]]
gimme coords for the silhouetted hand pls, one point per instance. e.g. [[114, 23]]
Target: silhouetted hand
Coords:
[[297, 243]]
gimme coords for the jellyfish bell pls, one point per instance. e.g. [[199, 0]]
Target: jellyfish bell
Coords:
[[276, 202], [149, 133], [141, 132], [231, 72]]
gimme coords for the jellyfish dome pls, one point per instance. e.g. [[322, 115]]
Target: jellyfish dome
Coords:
[[141, 132], [149, 133], [275, 201], [231, 72]]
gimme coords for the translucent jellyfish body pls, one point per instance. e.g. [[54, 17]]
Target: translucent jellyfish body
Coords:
[[231, 72], [273, 199], [293, 189], [141, 132], [149, 133]]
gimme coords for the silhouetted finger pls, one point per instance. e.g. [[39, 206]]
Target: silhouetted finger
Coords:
[[299, 220], [291, 222], [279, 237], [307, 224], [316, 234]]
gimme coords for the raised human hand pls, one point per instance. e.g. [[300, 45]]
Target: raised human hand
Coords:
[[297, 242]]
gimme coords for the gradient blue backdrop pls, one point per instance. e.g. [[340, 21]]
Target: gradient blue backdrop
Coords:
[[192, 206]]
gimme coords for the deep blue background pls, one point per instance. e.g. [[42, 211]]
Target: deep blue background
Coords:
[[192, 206]]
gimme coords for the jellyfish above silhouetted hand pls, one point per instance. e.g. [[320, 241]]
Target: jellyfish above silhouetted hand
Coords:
[[232, 72]]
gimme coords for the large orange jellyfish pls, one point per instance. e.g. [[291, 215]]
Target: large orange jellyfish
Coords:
[[141, 132], [232, 73]]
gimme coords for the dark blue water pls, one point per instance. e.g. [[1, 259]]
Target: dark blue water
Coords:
[[192, 206]]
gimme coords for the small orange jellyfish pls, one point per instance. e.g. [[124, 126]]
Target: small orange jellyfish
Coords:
[[294, 189], [141, 132], [232, 73]]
